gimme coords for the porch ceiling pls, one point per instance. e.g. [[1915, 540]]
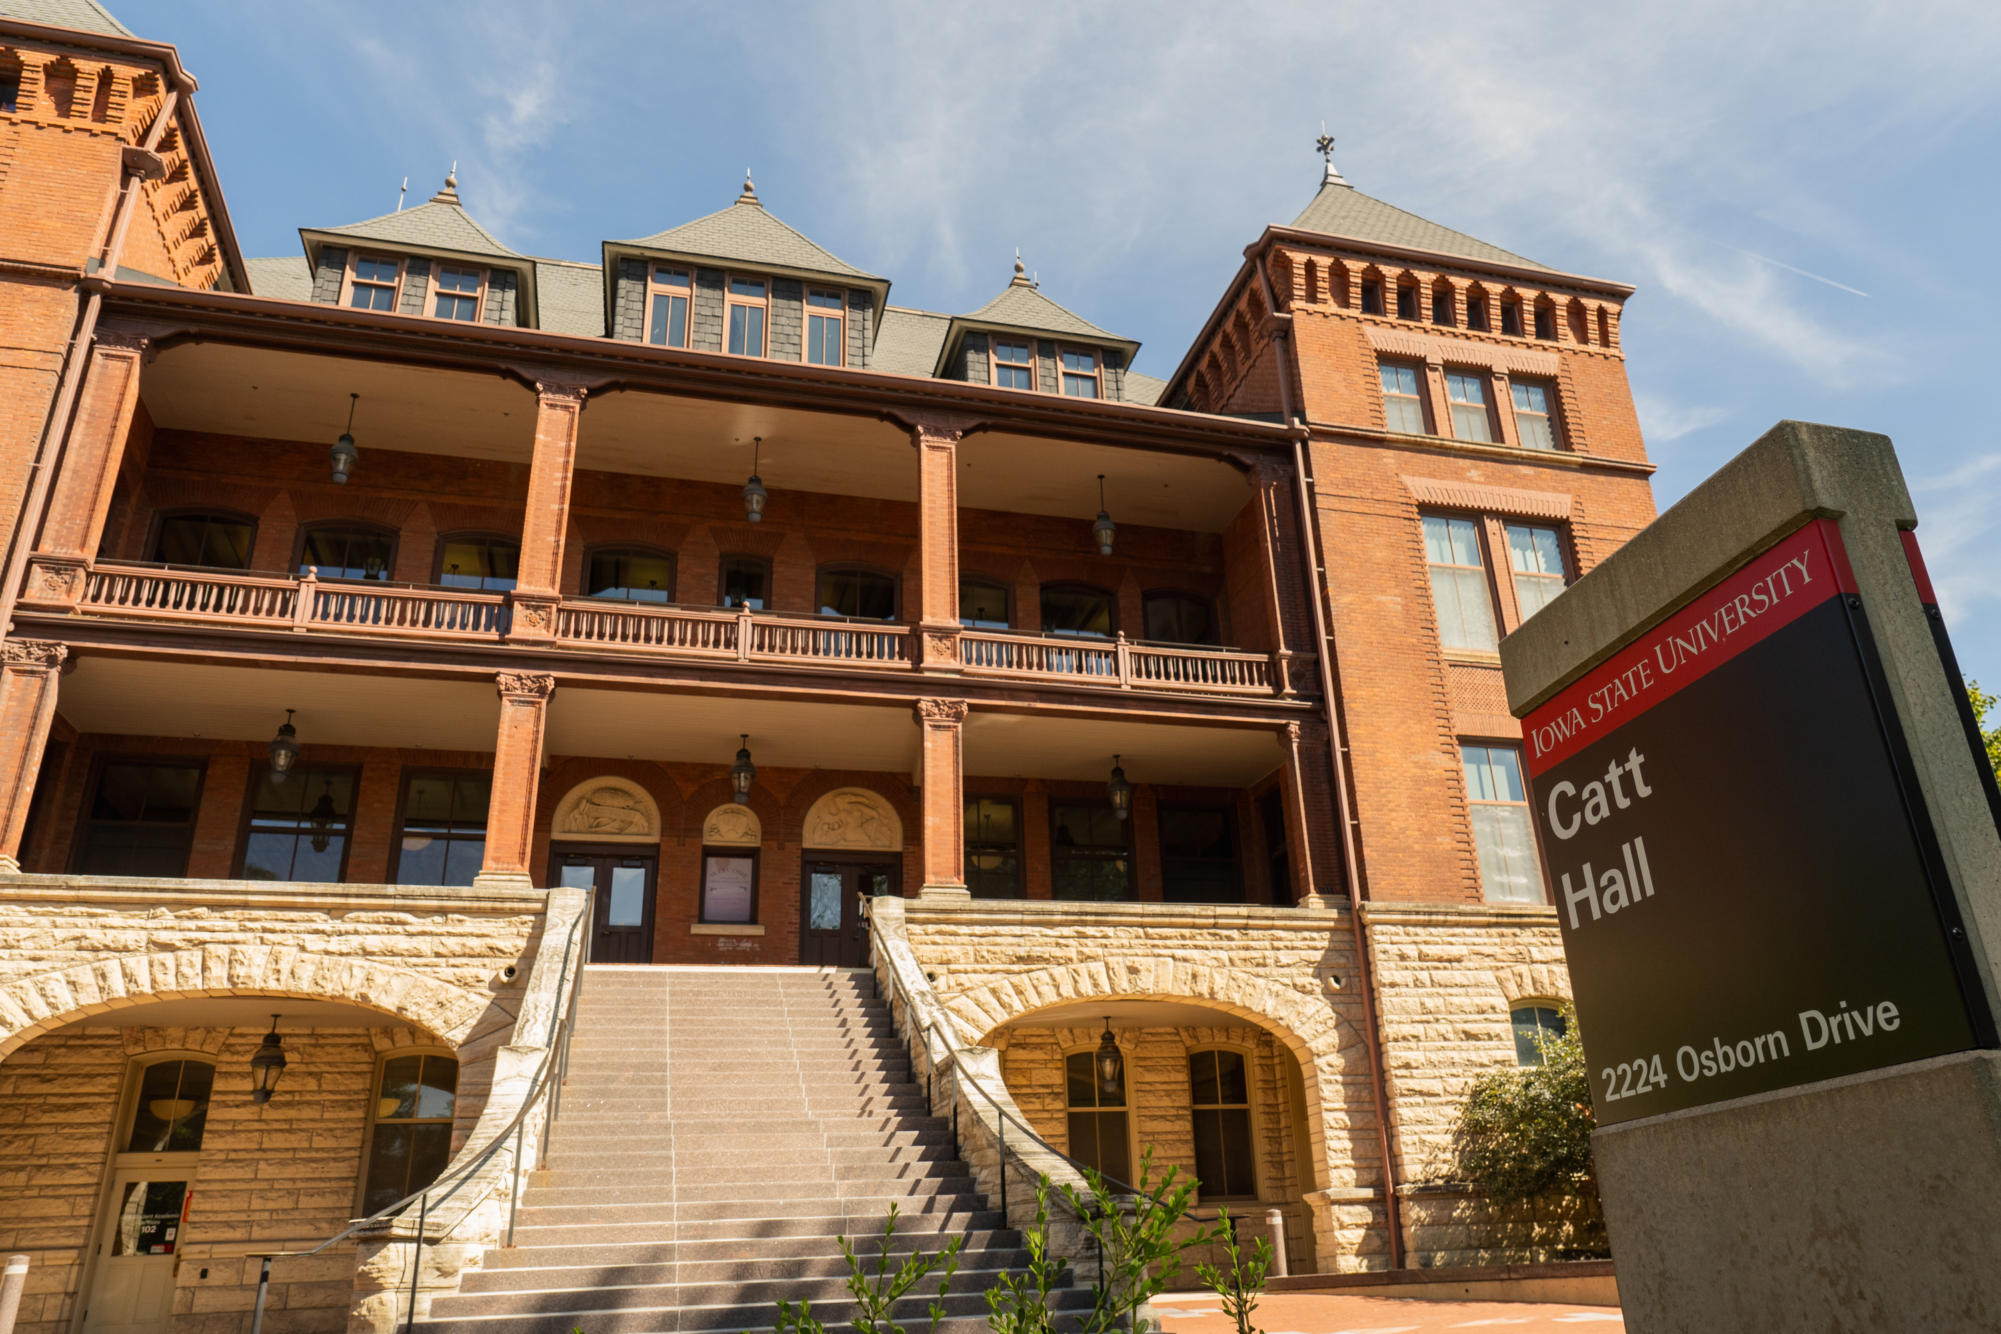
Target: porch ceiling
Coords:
[[703, 729], [1017, 745], [238, 1012], [1022, 474], [1126, 1014]]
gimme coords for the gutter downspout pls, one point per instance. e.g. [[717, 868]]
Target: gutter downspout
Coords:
[[55, 432], [1350, 855]]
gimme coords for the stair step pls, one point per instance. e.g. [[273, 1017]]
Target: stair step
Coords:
[[966, 1286], [749, 1231], [710, 1261]]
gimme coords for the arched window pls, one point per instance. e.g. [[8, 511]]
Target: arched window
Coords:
[[1535, 1022], [410, 1138], [485, 561], [1180, 618], [1219, 1096], [1099, 1134], [1079, 610], [217, 539], [984, 604], [630, 574], [348, 551], [170, 1111], [10, 81], [856, 590]]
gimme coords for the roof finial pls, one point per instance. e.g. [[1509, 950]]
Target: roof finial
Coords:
[[1325, 143], [749, 195], [450, 194], [1020, 274]]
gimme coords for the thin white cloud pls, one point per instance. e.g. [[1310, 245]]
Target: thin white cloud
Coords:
[[1663, 419], [1804, 273], [1959, 513]]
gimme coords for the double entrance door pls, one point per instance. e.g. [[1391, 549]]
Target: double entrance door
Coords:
[[621, 882], [832, 931]]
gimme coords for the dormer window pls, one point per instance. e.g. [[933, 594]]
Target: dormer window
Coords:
[[458, 293], [748, 302], [1080, 373], [825, 323], [1014, 364], [667, 310], [373, 286]]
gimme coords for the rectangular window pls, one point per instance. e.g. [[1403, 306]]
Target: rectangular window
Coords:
[[1467, 393], [1534, 422], [1537, 557], [1459, 584], [1199, 862], [1501, 833], [729, 886], [1080, 374], [411, 1140], [374, 286], [298, 830], [1441, 307], [747, 303], [746, 582], [1088, 854], [825, 320], [458, 293], [141, 819], [983, 604], [1511, 318], [1403, 404], [1372, 296], [1476, 313], [1406, 303], [993, 847], [443, 837], [667, 307], [1545, 323], [1014, 364], [1100, 1137], [1219, 1096]]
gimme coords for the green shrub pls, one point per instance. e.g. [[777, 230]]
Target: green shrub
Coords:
[[1527, 1133]]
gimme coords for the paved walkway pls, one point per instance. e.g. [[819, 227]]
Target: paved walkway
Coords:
[[1344, 1313]]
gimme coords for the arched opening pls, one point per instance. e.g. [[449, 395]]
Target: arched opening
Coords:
[[59, 82], [100, 98]]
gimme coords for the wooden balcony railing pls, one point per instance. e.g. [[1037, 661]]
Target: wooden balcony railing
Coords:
[[407, 611]]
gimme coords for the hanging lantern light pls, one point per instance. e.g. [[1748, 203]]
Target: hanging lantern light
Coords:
[[743, 773], [284, 748], [1104, 528], [1121, 791], [754, 494], [1111, 1067], [344, 454], [266, 1064], [322, 817]]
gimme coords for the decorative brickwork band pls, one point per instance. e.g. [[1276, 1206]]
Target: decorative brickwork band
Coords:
[[29, 671], [940, 724], [517, 772]]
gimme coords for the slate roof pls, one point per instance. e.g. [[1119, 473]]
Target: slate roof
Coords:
[[1145, 389], [1021, 305], [570, 297], [284, 276], [1342, 210], [84, 15], [907, 342], [747, 233], [440, 224]]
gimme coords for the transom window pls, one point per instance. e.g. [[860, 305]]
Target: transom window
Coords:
[[411, 1139], [443, 837], [170, 1113], [142, 818], [489, 563], [630, 575], [1535, 1022], [825, 322], [218, 541], [1199, 862], [1501, 833], [1080, 373], [298, 830], [1099, 1135], [983, 604], [341, 552], [1467, 392], [993, 847], [1078, 611], [1534, 422], [1180, 618], [745, 581], [667, 313], [1536, 555], [374, 285], [1014, 364], [855, 591], [1088, 857], [1459, 588], [748, 301], [1403, 402], [1219, 1095], [457, 293]]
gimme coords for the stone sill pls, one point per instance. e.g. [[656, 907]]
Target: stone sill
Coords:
[[1460, 914], [725, 929], [72, 889]]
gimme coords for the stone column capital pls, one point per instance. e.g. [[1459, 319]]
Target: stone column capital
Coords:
[[562, 391], [940, 712], [525, 685], [33, 654], [122, 340], [934, 428]]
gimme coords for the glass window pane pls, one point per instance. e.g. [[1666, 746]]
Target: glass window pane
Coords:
[[420, 860], [577, 877], [677, 322], [983, 605], [1202, 1078], [628, 896], [172, 1107], [1080, 1080], [635, 576], [437, 1087], [463, 857], [1077, 611], [746, 287], [823, 912], [744, 584], [1230, 1077], [861, 593], [1465, 609], [149, 1218]]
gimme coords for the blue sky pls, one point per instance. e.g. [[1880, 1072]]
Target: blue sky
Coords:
[[1804, 194]]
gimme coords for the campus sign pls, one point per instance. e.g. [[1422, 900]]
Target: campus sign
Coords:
[[1733, 847]]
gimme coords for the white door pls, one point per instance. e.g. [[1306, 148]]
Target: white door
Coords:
[[133, 1291]]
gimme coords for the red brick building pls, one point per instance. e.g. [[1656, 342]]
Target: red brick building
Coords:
[[703, 576]]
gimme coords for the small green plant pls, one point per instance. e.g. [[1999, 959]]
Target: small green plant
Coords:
[[877, 1285], [1138, 1251], [1019, 1303], [1242, 1283], [1982, 704], [1526, 1133]]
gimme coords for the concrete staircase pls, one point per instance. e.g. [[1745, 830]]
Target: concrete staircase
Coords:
[[720, 1128]]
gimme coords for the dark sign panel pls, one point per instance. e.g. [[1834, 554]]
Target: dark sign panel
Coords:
[[1747, 901]]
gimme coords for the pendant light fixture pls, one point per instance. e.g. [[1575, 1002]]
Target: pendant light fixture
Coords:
[[754, 494], [743, 773], [1121, 791], [344, 454], [284, 748], [266, 1064], [1111, 1067], [322, 817], [1104, 528]]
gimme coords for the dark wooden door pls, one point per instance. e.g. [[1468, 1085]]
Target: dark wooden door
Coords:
[[832, 931], [621, 885]]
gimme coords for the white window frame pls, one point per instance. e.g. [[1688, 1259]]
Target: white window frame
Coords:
[[1413, 400], [1462, 578], [1550, 437], [1463, 409], [1508, 849]]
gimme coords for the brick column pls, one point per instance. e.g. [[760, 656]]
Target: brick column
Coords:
[[941, 762], [937, 446], [517, 773], [28, 671], [1504, 407], [1309, 810], [546, 519], [80, 498], [1434, 389], [1272, 479]]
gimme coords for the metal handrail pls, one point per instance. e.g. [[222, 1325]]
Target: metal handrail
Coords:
[[547, 1084]]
